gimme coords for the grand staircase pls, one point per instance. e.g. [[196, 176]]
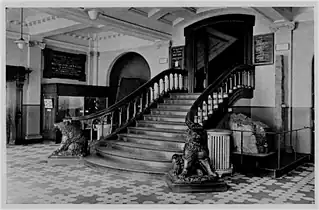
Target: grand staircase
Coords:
[[149, 124], [149, 146]]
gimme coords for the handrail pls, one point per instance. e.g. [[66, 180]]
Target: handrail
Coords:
[[237, 76], [132, 95]]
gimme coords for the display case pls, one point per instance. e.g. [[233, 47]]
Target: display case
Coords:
[[60, 101]]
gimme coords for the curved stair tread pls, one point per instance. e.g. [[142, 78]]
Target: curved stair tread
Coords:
[[157, 138], [97, 161], [189, 104], [164, 115], [129, 155], [173, 109], [161, 122], [143, 146], [162, 130]]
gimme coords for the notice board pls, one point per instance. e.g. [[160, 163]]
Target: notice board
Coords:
[[177, 57], [263, 49], [64, 65]]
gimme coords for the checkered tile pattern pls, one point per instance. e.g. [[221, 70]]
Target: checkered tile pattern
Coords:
[[30, 180]]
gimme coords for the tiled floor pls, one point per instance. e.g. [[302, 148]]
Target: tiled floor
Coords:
[[30, 180]]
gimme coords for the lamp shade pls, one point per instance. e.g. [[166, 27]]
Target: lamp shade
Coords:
[[20, 43], [93, 14]]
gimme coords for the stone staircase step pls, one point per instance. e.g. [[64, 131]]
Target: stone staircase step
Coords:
[[159, 142], [174, 106], [184, 95], [145, 150], [168, 112], [179, 101], [97, 161], [160, 124], [172, 133], [170, 118], [127, 157]]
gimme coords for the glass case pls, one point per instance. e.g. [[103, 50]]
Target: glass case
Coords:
[[76, 106]]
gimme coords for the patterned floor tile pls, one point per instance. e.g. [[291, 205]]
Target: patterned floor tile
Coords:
[[30, 180]]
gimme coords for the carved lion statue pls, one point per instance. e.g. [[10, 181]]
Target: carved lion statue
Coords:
[[195, 158], [73, 141]]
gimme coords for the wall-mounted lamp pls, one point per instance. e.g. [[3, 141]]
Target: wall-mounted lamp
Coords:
[[93, 14], [20, 42]]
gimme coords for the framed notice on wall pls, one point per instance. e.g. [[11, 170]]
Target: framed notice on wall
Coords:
[[64, 65], [177, 57], [263, 49]]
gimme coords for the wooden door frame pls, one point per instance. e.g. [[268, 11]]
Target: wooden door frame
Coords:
[[190, 37]]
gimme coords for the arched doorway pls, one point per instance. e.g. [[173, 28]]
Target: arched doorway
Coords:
[[214, 45], [128, 72]]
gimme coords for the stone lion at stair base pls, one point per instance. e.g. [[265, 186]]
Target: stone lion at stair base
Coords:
[[73, 141]]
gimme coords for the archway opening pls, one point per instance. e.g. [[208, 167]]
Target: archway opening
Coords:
[[129, 72]]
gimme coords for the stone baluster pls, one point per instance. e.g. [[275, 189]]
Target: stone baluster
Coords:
[[238, 79], [178, 76], [147, 99], [234, 81], [141, 103], [164, 85], [153, 94], [205, 107], [173, 80], [225, 87], [128, 112], [248, 79], [134, 107], [230, 84], [120, 116], [220, 95], [210, 104], [215, 100]]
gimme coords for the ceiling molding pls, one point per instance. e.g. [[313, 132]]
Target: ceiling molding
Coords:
[[33, 23], [63, 30], [65, 45]]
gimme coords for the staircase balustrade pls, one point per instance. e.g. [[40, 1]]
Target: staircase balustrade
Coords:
[[124, 112], [223, 92]]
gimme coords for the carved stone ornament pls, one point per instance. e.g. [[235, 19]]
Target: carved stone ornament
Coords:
[[282, 25], [41, 45], [192, 170], [73, 141]]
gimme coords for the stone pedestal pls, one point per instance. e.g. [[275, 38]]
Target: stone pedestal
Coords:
[[205, 186]]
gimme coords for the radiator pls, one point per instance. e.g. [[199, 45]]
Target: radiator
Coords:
[[219, 150]]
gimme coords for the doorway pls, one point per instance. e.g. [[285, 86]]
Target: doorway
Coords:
[[215, 44], [129, 72]]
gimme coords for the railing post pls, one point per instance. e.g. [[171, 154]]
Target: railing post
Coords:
[[249, 79], [128, 112], [141, 103], [164, 89], [135, 104], [173, 75], [120, 116], [178, 88], [147, 99]]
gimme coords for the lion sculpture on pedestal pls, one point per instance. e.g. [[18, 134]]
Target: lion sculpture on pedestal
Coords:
[[73, 141], [194, 164]]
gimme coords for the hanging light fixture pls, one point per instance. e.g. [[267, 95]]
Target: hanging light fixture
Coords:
[[21, 42], [93, 14]]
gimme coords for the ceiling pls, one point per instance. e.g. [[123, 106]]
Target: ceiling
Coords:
[[148, 23]]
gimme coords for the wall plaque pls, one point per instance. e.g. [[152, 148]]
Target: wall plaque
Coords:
[[263, 49], [64, 65], [177, 57]]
